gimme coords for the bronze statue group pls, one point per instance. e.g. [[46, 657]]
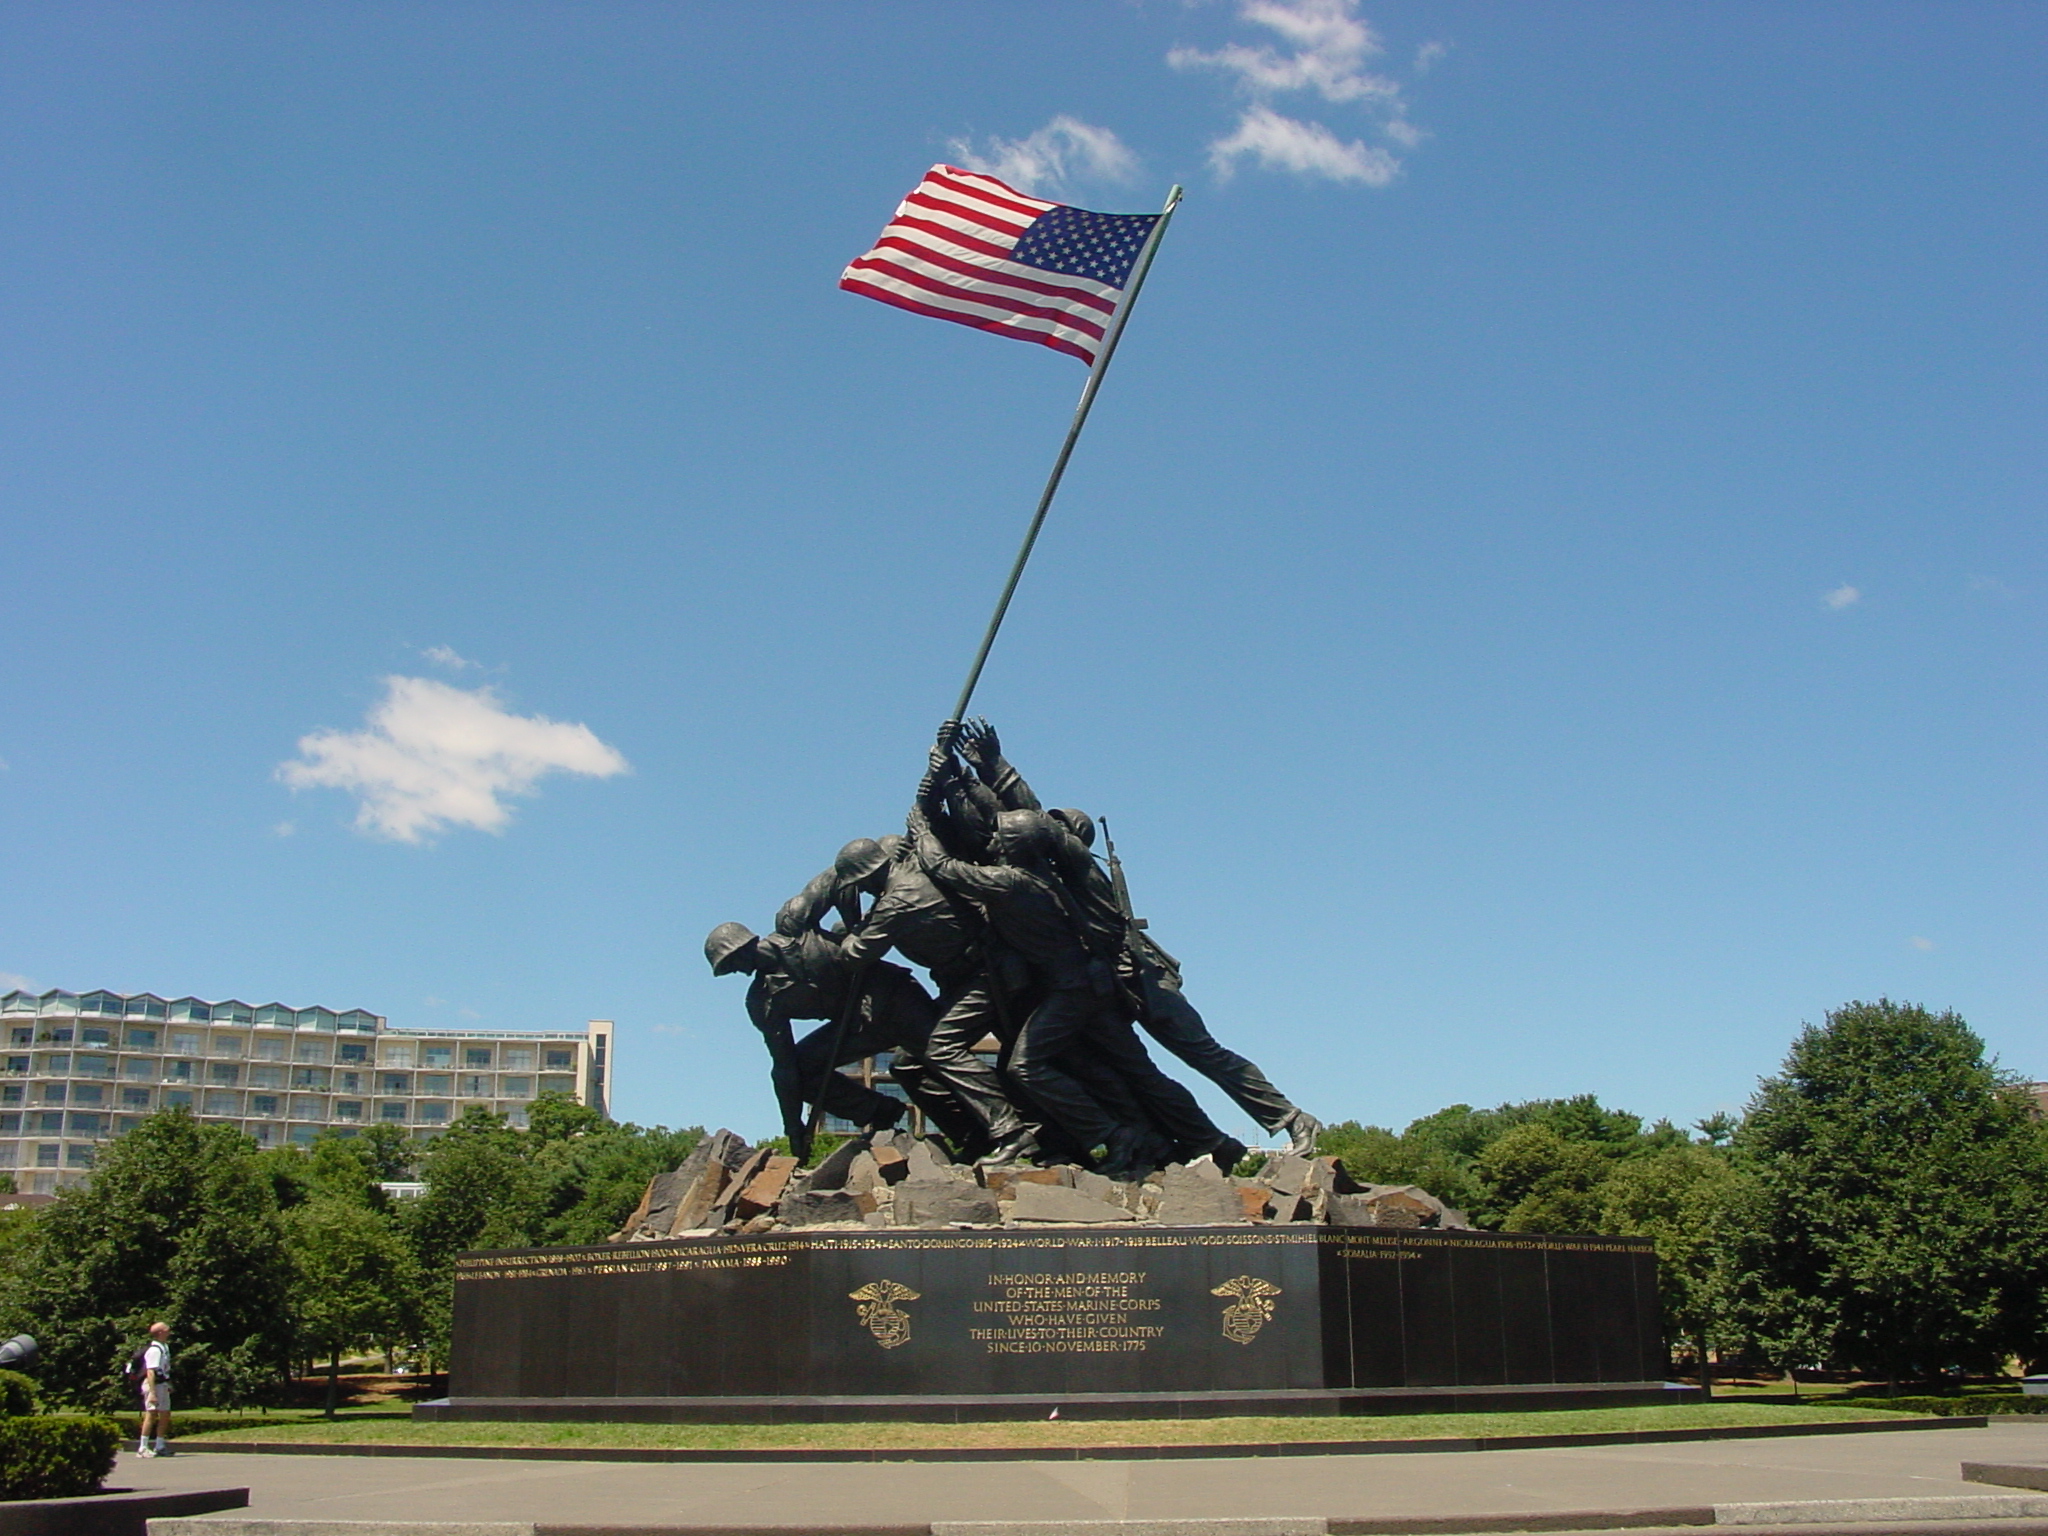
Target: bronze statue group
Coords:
[[1027, 938]]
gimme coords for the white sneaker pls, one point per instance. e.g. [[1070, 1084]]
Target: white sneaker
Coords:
[[145, 1451]]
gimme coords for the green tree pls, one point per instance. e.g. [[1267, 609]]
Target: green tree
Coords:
[[179, 1222], [1541, 1181], [1904, 1184], [1693, 1202], [482, 1192], [355, 1281]]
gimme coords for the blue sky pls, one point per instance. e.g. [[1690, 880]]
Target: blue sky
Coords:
[[1552, 596]]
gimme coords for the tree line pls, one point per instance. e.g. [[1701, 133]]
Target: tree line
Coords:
[[269, 1263], [1881, 1206]]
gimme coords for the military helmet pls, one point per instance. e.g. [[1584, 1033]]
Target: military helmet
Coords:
[[1020, 835], [724, 943], [1080, 823], [859, 859]]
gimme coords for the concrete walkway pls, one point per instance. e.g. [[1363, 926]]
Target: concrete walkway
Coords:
[[1344, 1488]]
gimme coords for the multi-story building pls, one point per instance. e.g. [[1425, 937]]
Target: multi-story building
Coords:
[[78, 1068]]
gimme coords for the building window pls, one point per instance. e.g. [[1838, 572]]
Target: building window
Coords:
[[518, 1087], [53, 1093], [357, 1051], [224, 1074], [185, 1042], [49, 1121], [348, 1109], [142, 1039], [264, 1104], [559, 1061], [264, 1134], [22, 1036], [85, 1124], [476, 1085], [11, 1093], [221, 1102], [348, 1082], [395, 1113], [93, 1066], [135, 1098], [88, 1093], [437, 1056], [96, 1035], [394, 1082], [302, 1135], [313, 1050], [266, 1077], [58, 1034], [395, 1055], [18, 1064], [142, 1067], [434, 1114], [309, 1077], [518, 1058], [177, 1071], [557, 1084], [60, 1062], [271, 1048], [306, 1107], [47, 1155], [436, 1082], [476, 1055], [176, 1097], [231, 1046], [78, 1155], [10, 1125]]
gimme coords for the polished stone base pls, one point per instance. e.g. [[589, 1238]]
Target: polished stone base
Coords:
[[978, 1324]]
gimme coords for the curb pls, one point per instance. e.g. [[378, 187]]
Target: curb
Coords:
[[1081, 1452], [2006, 1474], [116, 1512], [1835, 1514]]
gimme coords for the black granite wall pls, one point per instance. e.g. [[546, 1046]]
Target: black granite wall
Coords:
[[1064, 1311]]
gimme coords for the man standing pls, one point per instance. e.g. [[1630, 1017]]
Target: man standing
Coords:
[[156, 1389]]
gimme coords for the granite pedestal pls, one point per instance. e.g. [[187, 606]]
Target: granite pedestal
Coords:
[[977, 1324]]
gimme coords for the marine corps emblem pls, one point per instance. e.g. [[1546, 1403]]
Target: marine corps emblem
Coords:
[[1250, 1311], [889, 1323]]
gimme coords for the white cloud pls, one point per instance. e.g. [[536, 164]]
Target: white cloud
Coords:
[[1923, 945], [1043, 162], [14, 981], [1326, 48], [435, 756], [1331, 46], [1427, 55], [445, 656], [284, 828], [1307, 149], [1842, 597]]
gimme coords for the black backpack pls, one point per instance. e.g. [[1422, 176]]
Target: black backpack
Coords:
[[137, 1370]]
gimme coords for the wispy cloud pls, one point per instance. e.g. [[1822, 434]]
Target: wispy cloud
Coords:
[[1427, 55], [434, 756], [1923, 945], [1844, 596], [1286, 144], [1065, 150], [446, 656], [1325, 46], [14, 981], [283, 828]]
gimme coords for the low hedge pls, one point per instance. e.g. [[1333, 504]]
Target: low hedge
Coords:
[[1946, 1407], [17, 1395], [55, 1458]]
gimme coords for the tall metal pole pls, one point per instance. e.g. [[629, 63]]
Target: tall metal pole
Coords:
[[1059, 465]]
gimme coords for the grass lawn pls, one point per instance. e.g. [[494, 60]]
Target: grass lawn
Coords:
[[365, 1429]]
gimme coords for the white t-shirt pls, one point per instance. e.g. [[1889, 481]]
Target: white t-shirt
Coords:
[[157, 1357]]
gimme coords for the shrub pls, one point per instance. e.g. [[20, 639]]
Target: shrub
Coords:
[[17, 1395], [1946, 1407], [55, 1458]]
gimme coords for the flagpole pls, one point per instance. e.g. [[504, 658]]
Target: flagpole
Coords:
[[1096, 370]]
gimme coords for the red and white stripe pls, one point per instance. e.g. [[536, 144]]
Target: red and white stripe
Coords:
[[946, 254]]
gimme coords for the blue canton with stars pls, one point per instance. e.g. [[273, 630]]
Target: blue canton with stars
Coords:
[[1102, 246]]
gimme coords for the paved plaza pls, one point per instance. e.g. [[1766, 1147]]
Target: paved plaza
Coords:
[[825, 1495]]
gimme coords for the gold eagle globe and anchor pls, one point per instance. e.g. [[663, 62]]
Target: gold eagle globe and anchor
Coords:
[[1251, 1309], [889, 1323]]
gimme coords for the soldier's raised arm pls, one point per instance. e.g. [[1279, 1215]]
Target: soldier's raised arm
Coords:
[[983, 750]]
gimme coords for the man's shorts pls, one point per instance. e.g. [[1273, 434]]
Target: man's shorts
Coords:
[[157, 1399]]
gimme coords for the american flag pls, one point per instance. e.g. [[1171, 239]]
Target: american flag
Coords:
[[964, 247]]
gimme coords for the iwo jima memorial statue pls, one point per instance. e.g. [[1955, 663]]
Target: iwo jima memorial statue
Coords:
[[1071, 1229]]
